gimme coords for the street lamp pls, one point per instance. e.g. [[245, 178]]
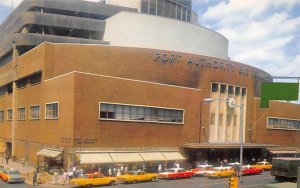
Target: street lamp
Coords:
[[231, 103]]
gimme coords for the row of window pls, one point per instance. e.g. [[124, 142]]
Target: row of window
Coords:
[[107, 111], [35, 111], [278, 123], [140, 113], [22, 83], [230, 89], [176, 9]]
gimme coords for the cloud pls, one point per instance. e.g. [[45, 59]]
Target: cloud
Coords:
[[260, 32]]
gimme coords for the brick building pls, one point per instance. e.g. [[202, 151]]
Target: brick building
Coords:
[[79, 84]]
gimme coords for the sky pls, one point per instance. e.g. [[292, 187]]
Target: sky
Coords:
[[261, 33]]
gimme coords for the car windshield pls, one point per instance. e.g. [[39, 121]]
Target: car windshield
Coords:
[[172, 171], [130, 173], [13, 172]]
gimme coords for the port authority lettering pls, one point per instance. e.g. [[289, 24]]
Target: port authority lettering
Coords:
[[206, 63]]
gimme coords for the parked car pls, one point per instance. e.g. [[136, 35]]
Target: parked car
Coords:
[[175, 173], [12, 176], [201, 170], [221, 172], [264, 165], [1, 170], [90, 180], [251, 170], [137, 176]]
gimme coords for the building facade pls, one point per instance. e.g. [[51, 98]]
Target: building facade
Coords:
[[92, 83]]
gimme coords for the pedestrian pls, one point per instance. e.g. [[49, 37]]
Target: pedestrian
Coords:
[[74, 172], [7, 158], [34, 178], [159, 168], [65, 177], [70, 175]]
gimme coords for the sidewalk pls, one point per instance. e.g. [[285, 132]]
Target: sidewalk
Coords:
[[26, 170]]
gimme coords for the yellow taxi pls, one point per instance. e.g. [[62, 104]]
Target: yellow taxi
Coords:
[[221, 172], [90, 180], [137, 176], [264, 165], [12, 176]]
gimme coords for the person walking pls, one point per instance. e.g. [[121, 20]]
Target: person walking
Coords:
[[34, 178], [7, 158]]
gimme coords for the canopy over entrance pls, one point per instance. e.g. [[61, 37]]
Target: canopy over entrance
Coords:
[[49, 152], [90, 157], [227, 145]]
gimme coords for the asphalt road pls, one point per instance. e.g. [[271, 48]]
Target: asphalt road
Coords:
[[256, 181]]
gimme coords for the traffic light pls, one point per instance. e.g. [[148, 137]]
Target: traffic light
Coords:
[[233, 182]]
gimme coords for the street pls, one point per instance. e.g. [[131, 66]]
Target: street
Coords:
[[256, 181]]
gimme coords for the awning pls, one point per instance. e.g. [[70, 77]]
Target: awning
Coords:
[[89, 158], [283, 152], [173, 156], [153, 156], [49, 152], [227, 145], [126, 157]]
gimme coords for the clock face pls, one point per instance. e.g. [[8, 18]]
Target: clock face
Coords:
[[231, 102]]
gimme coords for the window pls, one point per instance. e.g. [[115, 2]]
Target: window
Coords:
[[234, 120], [52, 111], [160, 8], [212, 118], [230, 90], [167, 9], [214, 87], [281, 123], [178, 11], [223, 88], [108, 111], [36, 78], [244, 91], [237, 91], [9, 114], [228, 119], [144, 6], [3, 89], [21, 113], [10, 88], [152, 7], [184, 14], [35, 112], [1, 115], [173, 10], [139, 113], [22, 83], [220, 119]]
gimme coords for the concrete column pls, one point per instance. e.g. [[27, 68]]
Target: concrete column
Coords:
[[14, 105]]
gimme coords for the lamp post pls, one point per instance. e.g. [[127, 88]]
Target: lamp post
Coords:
[[231, 103]]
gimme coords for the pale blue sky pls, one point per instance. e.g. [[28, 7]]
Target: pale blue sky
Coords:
[[262, 33]]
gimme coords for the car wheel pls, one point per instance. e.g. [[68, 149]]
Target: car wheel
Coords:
[[89, 185], [153, 179], [112, 183], [219, 177], [134, 181]]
